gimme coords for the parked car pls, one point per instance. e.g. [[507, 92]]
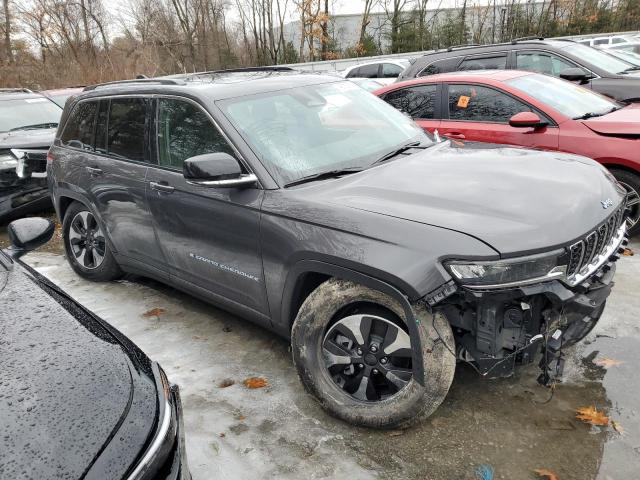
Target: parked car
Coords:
[[589, 67], [308, 205], [27, 128], [626, 55], [60, 95], [604, 41], [77, 398], [384, 71], [529, 110], [633, 47]]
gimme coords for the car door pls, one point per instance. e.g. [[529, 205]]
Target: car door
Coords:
[[420, 102], [113, 179], [481, 113], [209, 236]]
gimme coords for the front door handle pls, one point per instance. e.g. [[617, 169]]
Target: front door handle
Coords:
[[454, 135], [93, 171], [161, 187]]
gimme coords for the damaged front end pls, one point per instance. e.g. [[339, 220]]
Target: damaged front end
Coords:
[[505, 313], [23, 183]]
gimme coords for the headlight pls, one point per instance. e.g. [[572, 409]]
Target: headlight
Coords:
[[510, 272], [8, 161]]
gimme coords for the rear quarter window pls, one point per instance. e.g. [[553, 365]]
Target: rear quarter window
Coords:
[[78, 132]]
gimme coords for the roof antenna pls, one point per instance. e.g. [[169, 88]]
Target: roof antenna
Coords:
[[141, 76]]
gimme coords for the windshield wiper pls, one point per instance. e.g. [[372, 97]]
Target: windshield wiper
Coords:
[[323, 175], [36, 126], [630, 69], [594, 114], [398, 151]]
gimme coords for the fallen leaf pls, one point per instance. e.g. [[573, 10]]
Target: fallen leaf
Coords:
[[255, 382], [227, 382], [546, 474], [241, 418], [395, 433], [592, 416], [154, 312], [617, 427], [222, 435], [627, 252], [607, 362]]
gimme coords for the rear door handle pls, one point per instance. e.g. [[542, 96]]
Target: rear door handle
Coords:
[[454, 135], [93, 171], [161, 187]]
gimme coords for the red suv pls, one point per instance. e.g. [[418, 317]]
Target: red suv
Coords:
[[530, 110]]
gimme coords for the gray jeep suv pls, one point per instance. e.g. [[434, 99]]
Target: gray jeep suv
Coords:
[[314, 209]]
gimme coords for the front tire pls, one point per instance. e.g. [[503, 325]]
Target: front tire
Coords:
[[86, 246], [631, 183], [353, 354]]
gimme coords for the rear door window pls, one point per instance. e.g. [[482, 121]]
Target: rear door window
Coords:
[[366, 71], [126, 128], [494, 62], [184, 131], [390, 70], [78, 133], [542, 62], [419, 102], [473, 103]]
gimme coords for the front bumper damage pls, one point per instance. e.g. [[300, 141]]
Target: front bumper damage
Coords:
[[23, 188], [497, 329]]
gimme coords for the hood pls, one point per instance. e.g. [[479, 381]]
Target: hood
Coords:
[[515, 200], [41, 138], [623, 122], [66, 384]]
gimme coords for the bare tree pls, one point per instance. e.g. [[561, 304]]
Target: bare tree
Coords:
[[7, 32]]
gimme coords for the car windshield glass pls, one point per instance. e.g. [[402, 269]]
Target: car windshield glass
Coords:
[[313, 129], [28, 112], [567, 98], [597, 58], [632, 58]]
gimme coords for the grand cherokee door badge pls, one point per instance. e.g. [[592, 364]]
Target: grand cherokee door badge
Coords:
[[224, 267]]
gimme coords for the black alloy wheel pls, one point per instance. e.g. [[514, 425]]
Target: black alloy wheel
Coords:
[[368, 356], [86, 240]]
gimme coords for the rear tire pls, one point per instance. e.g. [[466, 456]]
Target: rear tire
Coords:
[[86, 246], [631, 182], [390, 401]]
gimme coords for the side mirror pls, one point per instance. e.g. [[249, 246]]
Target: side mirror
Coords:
[[575, 74], [28, 234], [527, 120], [216, 170]]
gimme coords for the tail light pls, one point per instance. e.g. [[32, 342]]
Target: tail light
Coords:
[[50, 157]]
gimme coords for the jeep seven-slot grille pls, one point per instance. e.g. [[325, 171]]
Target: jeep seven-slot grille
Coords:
[[584, 252]]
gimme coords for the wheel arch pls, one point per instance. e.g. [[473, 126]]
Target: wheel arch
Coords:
[[306, 275]]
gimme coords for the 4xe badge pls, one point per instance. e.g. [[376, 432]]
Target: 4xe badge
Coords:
[[606, 203]]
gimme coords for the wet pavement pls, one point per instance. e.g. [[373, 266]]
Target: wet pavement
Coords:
[[512, 425]]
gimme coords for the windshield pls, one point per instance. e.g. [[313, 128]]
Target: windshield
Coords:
[[597, 58], [28, 112], [567, 98], [314, 129], [632, 58]]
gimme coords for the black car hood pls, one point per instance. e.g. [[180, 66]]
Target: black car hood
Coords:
[[65, 385], [516, 200], [40, 138]]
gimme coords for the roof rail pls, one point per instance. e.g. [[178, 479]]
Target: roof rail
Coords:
[[15, 90], [274, 68], [455, 47], [137, 81], [524, 39]]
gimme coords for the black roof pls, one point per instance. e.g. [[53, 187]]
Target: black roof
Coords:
[[213, 85]]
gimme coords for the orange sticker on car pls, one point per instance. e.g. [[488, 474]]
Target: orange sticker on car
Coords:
[[463, 101]]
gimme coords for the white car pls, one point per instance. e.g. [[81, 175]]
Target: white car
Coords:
[[384, 71], [609, 40]]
